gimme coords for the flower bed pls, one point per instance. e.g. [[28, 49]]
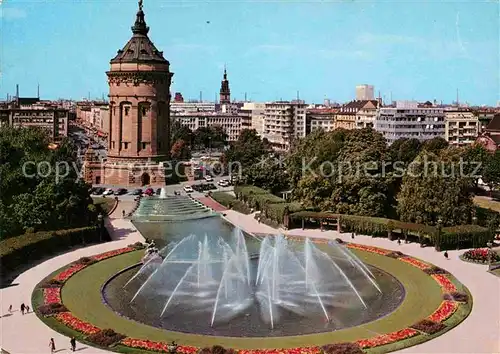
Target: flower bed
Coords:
[[435, 270], [429, 327], [113, 253], [446, 285], [105, 338], [65, 275], [481, 255], [78, 325], [368, 249], [342, 348], [156, 346], [86, 261], [304, 350], [414, 262], [445, 310], [51, 283], [51, 296], [384, 339], [51, 309]]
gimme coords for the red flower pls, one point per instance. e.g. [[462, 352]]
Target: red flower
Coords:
[[445, 310], [368, 248], [71, 321], [414, 262], [113, 253], [65, 275], [387, 338], [446, 285], [51, 296]]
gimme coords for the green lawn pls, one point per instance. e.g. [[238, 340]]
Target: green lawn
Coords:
[[81, 295]]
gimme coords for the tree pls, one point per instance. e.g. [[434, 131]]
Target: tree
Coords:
[[248, 150], [44, 201], [210, 137], [267, 174], [180, 150], [181, 132], [434, 189], [435, 145], [404, 150], [491, 170]]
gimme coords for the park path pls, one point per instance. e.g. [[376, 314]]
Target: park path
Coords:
[[212, 204], [26, 334], [478, 334]]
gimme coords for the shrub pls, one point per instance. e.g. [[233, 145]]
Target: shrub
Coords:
[[51, 309], [277, 211], [240, 207], [223, 198], [342, 348], [30, 230], [456, 296], [205, 351], [137, 246], [435, 270], [14, 251], [51, 283], [217, 349], [86, 261], [339, 241], [105, 338], [428, 327], [453, 236], [396, 254]]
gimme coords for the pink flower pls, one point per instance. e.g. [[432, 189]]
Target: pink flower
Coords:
[[444, 311], [51, 296], [113, 253], [78, 325], [415, 262], [65, 275], [446, 285]]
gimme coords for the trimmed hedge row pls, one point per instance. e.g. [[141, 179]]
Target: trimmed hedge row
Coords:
[[256, 197], [16, 250], [230, 202]]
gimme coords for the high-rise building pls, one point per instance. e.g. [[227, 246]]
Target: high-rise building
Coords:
[[283, 122], [365, 92], [461, 126], [139, 113]]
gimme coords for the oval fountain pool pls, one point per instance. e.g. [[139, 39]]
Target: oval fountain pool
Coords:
[[211, 285]]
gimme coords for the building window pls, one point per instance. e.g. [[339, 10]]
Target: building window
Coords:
[[144, 145], [144, 111], [127, 110], [159, 145], [113, 144], [125, 146]]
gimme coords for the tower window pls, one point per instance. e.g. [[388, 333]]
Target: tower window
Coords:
[[127, 110], [113, 144], [144, 145], [125, 146], [144, 111], [159, 145]]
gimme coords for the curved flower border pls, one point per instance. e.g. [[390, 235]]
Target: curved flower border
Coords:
[[441, 314]]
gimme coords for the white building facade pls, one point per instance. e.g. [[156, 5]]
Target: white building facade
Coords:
[[284, 121], [461, 126], [409, 120]]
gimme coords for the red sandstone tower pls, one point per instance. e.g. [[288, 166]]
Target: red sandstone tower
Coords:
[[139, 113]]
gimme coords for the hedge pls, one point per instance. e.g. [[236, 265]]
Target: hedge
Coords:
[[276, 211], [15, 251], [453, 236], [256, 197], [230, 202]]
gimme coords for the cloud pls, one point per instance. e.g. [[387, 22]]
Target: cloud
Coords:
[[12, 13]]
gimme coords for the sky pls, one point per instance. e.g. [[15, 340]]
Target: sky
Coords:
[[409, 50]]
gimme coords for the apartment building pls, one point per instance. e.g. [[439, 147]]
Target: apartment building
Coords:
[[255, 112], [461, 126], [231, 123], [320, 118], [365, 92], [408, 119], [357, 114], [284, 121], [191, 107], [31, 112], [490, 137]]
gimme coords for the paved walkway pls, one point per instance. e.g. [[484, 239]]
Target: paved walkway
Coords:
[[479, 333], [209, 202]]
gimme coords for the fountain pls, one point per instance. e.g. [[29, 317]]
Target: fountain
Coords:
[[163, 193], [213, 276]]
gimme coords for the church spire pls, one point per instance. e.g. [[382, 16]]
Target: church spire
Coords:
[[225, 92], [140, 26]]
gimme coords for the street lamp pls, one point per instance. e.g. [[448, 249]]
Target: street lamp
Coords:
[[438, 238], [99, 225]]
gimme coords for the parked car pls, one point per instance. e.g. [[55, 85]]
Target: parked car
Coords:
[[137, 191], [158, 191], [203, 187], [98, 190], [149, 191], [120, 191], [108, 191], [223, 183], [188, 189], [208, 178]]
